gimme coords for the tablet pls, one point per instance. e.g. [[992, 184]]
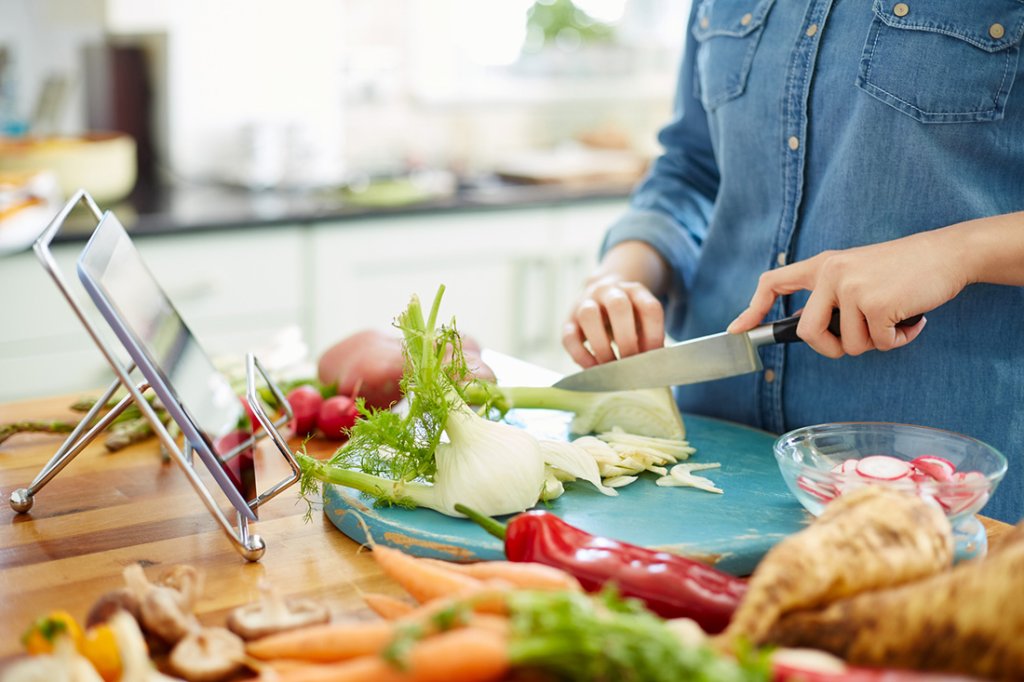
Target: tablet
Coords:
[[197, 396]]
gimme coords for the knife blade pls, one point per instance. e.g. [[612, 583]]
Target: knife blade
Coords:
[[704, 359]]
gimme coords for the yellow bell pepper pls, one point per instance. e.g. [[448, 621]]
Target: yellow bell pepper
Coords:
[[39, 638], [99, 647]]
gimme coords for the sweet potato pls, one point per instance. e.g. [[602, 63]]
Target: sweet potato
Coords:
[[870, 538], [368, 363], [968, 620]]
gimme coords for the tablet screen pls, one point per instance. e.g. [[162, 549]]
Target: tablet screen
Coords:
[[166, 352]]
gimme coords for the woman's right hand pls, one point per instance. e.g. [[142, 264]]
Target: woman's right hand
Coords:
[[619, 314]]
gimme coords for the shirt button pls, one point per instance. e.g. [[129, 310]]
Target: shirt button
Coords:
[[781, 258], [704, 22], [769, 375], [811, 30], [747, 18], [996, 31], [794, 143], [900, 9]]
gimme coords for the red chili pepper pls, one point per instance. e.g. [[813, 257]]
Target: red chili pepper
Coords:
[[670, 585]]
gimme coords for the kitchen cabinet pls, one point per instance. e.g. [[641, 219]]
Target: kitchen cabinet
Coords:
[[234, 289], [492, 265], [510, 277]]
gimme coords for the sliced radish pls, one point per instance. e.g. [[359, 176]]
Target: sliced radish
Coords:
[[919, 476], [964, 491], [883, 468], [822, 491], [849, 483], [938, 468], [847, 466]]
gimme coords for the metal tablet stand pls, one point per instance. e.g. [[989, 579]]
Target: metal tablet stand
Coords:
[[249, 545]]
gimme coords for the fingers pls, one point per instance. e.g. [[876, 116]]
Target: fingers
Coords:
[[770, 286], [591, 320], [885, 335], [649, 315], [622, 322], [613, 316], [572, 341], [813, 325], [855, 336]]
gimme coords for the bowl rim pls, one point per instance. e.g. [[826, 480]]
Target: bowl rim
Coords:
[[789, 436]]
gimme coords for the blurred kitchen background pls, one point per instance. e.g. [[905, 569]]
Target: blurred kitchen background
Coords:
[[293, 171]]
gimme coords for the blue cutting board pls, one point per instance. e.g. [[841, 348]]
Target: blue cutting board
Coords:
[[732, 531]]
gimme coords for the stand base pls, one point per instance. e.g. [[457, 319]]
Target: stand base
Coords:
[[21, 501]]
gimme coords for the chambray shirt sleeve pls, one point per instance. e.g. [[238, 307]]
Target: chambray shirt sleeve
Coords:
[[670, 209]]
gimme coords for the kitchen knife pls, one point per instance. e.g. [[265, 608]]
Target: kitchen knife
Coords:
[[705, 359]]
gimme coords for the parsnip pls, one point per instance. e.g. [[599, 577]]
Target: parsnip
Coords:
[[969, 620], [866, 539]]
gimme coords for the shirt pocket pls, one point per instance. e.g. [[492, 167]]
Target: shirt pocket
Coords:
[[943, 61], [728, 32]]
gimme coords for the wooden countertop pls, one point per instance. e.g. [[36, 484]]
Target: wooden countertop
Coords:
[[106, 511]]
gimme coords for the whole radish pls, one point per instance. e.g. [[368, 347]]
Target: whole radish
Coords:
[[337, 414], [306, 402]]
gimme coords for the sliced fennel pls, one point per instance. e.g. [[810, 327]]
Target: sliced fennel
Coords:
[[569, 462], [682, 476], [619, 454], [648, 412]]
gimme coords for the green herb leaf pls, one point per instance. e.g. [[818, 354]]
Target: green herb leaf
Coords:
[[577, 637]]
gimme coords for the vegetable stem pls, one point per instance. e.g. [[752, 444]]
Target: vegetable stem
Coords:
[[398, 492], [492, 526], [536, 397], [8, 430]]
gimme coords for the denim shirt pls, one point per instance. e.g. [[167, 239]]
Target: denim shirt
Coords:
[[806, 125]]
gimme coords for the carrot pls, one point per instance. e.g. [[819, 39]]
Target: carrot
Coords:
[[386, 606], [490, 598], [425, 581], [328, 642], [467, 655], [525, 575], [342, 641]]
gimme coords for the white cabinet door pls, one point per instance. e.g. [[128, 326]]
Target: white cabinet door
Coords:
[[510, 276], [44, 349], [234, 289], [494, 265]]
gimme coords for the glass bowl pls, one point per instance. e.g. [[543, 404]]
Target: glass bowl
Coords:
[[959, 473]]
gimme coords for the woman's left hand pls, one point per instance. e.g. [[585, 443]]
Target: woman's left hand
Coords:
[[874, 287]]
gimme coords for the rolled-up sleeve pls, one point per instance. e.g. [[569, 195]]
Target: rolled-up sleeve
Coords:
[[670, 209]]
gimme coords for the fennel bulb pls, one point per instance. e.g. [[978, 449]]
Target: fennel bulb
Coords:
[[487, 465], [405, 459]]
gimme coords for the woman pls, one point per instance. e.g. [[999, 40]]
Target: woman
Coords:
[[878, 147]]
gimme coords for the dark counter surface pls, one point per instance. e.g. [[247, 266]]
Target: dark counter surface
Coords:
[[205, 207]]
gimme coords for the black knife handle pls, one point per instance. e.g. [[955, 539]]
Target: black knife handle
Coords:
[[784, 330]]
